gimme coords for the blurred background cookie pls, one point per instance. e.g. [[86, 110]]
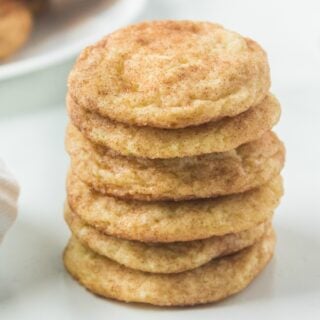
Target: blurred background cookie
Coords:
[[15, 26]]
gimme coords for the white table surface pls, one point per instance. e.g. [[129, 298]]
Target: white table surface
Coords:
[[33, 283]]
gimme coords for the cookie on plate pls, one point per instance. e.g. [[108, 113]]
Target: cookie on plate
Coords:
[[15, 26]]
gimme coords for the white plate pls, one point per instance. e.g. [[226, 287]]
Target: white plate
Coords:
[[63, 32]]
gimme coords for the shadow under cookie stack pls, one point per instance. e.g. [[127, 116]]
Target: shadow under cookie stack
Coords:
[[175, 173]]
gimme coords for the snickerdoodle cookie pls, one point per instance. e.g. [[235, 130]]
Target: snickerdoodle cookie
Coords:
[[170, 74], [15, 26], [170, 221], [161, 257], [218, 136], [211, 282], [238, 170]]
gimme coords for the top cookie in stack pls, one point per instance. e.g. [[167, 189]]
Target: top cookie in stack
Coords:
[[170, 75], [162, 113]]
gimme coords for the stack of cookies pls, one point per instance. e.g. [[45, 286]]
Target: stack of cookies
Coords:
[[175, 173]]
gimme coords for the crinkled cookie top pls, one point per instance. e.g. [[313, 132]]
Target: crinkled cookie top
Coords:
[[170, 74]]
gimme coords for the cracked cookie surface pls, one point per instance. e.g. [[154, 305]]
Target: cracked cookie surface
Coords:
[[170, 74]]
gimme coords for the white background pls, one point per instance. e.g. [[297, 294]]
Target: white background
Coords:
[[33, 283]]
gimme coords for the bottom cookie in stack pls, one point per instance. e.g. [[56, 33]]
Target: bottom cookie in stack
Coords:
[[210, 282]]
